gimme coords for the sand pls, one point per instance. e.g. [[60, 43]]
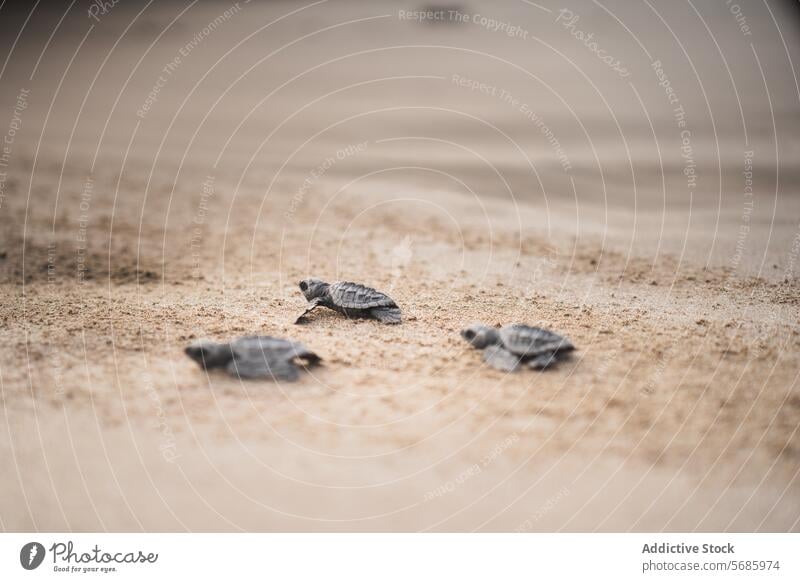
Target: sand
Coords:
[[678, 412]]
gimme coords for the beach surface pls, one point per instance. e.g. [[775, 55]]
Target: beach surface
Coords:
[[348, 142]]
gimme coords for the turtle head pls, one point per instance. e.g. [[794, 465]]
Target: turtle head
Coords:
[[480, 336], [209, 354], [313, 288]]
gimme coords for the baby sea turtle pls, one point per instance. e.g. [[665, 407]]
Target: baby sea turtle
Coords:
[[254, 357], [350, 299], [511, 346]]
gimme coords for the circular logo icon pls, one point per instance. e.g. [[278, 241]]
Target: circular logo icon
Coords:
[[31, 555]]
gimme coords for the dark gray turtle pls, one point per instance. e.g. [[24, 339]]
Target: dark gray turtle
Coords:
[[350, 299], [509, 347], [254, 357]]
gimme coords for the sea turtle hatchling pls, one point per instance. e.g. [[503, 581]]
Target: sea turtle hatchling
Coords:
[[254, 357], [509, 347], [350, 299]]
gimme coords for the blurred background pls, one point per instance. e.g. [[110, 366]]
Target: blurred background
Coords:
[[562, 106]]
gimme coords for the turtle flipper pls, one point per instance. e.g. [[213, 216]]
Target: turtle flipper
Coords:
[[312, 305], [546, 360], [500, 358], [306, 356], [386, 314], [259, 366], [543, 361]]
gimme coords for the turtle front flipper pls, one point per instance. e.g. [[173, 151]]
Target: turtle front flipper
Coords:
[[209, 354], [500, 358], [307, 357], [261, 366], [386, 314], [312, 305], [543, 361], [549, 359]]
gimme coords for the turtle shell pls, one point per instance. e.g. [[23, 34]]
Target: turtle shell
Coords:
[[268, 357], [272, 347], [524, 340], [349, 295]]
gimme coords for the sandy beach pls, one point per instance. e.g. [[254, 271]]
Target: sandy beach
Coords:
[[348, 142]]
